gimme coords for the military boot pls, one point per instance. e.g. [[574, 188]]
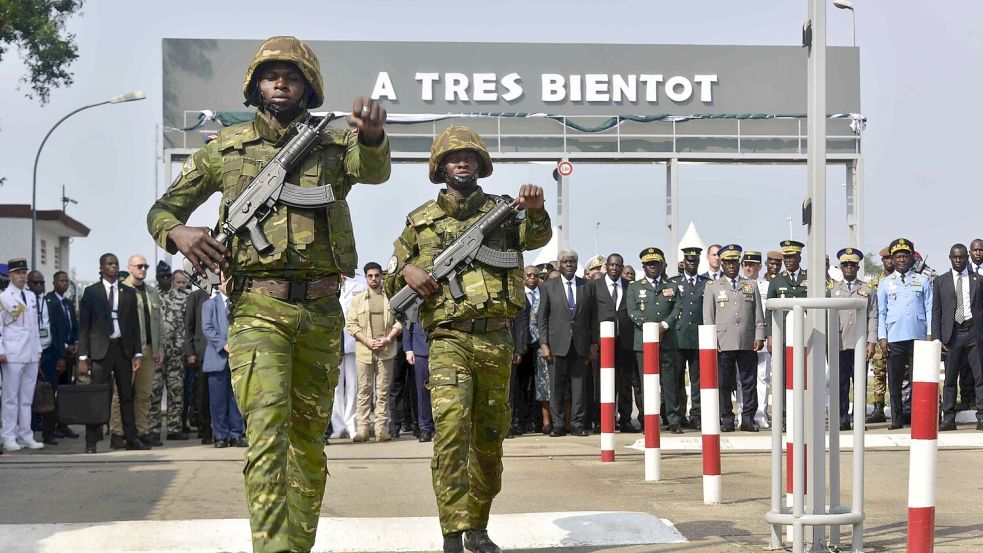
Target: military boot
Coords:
[[477, 541], [452, 543], [877, 415]]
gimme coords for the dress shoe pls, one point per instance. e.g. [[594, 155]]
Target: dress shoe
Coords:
[[137, 445], [947, 426], [690, 424], [749, 427], [90, 448], [547, 429], [116, 441], [207, 440], [383, 436], [727, 427], [30, 443], [152, 439], [580, 432], [176, 436], [477, 541], [409, 427], [426, 436], [895, 426], [557, 433], [221, 443], [361, 436], [242, 441], [11, 445], [50, 440], [845, 426], [675, 429], [68, 432], [627, 428], [452, 543]]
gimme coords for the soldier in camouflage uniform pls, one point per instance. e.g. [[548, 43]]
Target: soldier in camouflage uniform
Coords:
[[471, 344], [171, 373], [878, 361], [286, 320]]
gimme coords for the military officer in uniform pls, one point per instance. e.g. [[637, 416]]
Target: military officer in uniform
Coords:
[[878, 361], [286, 321], [594, 268], [471, 346], [851, 287], [690, 287], [790, 283], [751, 270], [773, 265], [170, 376], [653, 300], [904, 314], [20, 352], [733, 304]]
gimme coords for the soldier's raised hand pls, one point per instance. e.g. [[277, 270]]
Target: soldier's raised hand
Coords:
[[531, 196], [368, 117]]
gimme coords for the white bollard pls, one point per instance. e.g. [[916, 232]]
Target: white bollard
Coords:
[[652, 393]]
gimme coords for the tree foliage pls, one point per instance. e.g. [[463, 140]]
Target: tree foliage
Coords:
[[37, 29], [872, 264]]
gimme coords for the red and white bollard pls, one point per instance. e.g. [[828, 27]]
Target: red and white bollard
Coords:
[[710, 414], [924, 446], [789, 413], [607, 391], [652, 393]]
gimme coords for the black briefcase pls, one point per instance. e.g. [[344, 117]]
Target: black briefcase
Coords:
[[83, 404]]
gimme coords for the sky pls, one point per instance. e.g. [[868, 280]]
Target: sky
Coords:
[[921, 69]]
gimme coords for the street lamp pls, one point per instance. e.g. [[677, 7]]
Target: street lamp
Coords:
[[128, 97], [848, 5]]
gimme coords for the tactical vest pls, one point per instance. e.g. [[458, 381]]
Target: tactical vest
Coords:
[[244, 153], [489, 291]]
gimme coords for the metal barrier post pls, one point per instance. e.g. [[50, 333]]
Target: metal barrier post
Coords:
[[859, 391], [710, 414], [652, 394], [777, 408], [798, 420], [924, 446], [607, 391]]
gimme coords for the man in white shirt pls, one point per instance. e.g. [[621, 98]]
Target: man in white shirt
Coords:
[[343, 410], [20, 352]]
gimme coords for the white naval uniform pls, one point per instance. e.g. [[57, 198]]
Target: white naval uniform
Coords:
[[21, 344], [343, 410]]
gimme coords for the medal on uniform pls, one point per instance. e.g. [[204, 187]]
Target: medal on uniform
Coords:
[[723, 304], [641, 294], [668, 292]]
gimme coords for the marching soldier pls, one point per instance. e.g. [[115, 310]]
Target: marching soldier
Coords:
[[733, 304], [851, 287], [904, 298], [690, 287], [653, 299], [878, 360], [471, 346], [286, 321]]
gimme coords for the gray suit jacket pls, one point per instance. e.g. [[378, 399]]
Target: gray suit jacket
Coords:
[[215, 326], [737, 313], [848, 319]]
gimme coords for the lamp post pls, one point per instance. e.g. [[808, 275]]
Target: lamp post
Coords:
[[128, 97], [848, 5]]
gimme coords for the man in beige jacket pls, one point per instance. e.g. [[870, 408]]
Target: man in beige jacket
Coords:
[[375, 331]]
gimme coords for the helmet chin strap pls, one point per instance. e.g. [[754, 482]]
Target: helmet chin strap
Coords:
[[274, 110]]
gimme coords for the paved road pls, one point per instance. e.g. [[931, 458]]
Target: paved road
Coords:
[[186, 481]]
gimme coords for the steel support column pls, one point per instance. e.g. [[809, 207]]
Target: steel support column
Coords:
[[855, 205], [563, 209], [672, 216]]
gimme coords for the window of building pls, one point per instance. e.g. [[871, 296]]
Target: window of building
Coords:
[[57, 258], [44, 252]]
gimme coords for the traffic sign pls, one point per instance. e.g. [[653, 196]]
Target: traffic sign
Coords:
[[564, 168]]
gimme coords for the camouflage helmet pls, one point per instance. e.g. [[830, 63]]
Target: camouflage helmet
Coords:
[[293, 50], [455, 139]]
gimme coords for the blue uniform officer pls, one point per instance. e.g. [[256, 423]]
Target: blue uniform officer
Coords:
[[904, 314]]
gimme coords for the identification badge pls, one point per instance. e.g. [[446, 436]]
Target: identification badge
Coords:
[[43, 333]]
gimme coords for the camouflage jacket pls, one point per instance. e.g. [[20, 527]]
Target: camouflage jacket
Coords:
[[307, 243], [173, 303], [489, 291]]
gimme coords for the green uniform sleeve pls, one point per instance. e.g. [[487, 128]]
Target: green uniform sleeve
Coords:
[[200, 178], [404, 251], [367, 164], [535, 231], [634, 312]]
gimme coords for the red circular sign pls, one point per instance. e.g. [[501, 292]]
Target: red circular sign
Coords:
[[564, 168]]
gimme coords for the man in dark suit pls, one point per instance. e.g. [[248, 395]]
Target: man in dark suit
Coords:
[[55, 359], [109, 345], [608, 303], [195, 384], [957, 320], [564, 341], [525, 336]]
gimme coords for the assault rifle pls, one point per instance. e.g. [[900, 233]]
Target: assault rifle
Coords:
[[268, 189], [460, 255]]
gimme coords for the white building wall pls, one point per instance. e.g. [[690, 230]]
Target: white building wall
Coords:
[[15, 241]]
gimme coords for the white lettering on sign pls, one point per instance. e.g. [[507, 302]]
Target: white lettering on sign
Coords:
[[593, 88]]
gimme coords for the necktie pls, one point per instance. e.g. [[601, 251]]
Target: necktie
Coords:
[[734, 283], [112, 298], [902, 278], [960, 317], [68, 315], [570, 303], [849, 286], [23, 297], [692, 281], [614, 294]]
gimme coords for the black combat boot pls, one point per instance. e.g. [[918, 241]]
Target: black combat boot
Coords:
[[877, 415], [452, 543], [477, 541]]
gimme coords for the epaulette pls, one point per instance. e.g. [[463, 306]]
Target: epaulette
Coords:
[[424, 215], [236, 135]]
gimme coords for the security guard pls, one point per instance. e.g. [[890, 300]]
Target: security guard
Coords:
[[851, 287], [878, 361], [653, 299], [733, 304], [689, 299], [790, 283], [286, 319], [471, 346], [904, 313]]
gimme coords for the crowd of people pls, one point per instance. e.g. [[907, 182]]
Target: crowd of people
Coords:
[[174, 341]]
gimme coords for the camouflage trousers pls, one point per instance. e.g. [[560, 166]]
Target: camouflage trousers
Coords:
[[878, 388], [171, 376], [284, 360], [469, 393]]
